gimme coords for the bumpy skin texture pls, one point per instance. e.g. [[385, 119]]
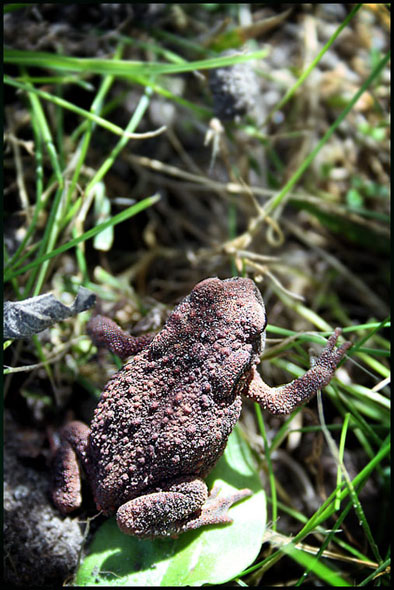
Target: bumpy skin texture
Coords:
[[163, 420]]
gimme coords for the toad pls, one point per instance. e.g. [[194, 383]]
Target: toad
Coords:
[[163, 420]]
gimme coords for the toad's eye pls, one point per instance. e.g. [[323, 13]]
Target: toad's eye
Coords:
[[240, 381], [255, 329], [258, 343]]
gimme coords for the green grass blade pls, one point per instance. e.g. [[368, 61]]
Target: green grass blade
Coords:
[[72, 107], [126, 214], [122, 68], [275, 201], [314, 63], [310, 562]]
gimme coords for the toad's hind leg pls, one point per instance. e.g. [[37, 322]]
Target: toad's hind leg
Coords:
[[183, 506], [66, 483]]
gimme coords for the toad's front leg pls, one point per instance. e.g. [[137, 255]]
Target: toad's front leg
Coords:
[[66, 483], [183, 506], [106, 333], [284, 399]]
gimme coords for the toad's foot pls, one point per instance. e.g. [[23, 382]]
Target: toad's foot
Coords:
[[215, 510], [284, 399], [181, 507]]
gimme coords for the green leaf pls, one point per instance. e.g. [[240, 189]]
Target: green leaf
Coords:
[[102, 212], [354, 199], [209, 555]]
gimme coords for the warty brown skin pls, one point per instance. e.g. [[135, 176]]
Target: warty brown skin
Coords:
[[164, 419]]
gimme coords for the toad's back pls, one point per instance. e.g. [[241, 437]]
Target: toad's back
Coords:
[[152, 426]]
